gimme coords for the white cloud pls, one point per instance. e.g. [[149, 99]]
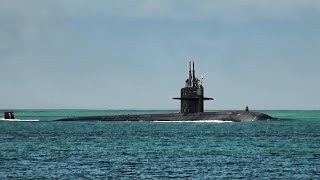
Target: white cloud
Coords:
[[23, 20], [231, 10], [37, 39], [151, 5]]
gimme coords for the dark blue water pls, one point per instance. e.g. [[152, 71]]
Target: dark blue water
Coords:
[[286, 149]]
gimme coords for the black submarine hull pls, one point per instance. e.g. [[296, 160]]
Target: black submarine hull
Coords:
[[234, 116]]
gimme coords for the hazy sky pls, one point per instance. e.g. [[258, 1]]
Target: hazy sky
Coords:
[[133, 54]]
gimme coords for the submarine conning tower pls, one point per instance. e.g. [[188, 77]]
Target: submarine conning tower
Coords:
[[192, 99]]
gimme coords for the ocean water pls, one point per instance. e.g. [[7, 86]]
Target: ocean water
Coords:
[[284, 149]]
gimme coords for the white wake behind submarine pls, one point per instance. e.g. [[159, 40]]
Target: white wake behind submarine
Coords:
[[192, 109]]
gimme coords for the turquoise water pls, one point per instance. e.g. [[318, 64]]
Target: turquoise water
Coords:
[[285, 149]]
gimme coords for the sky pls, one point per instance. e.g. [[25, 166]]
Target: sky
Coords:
[[134, 54]]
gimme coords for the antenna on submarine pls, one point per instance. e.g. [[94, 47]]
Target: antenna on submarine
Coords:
[[201, 81], [193, 71], [190, 76]]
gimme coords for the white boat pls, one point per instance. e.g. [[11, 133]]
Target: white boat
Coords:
[[20, 120], [9, 116]]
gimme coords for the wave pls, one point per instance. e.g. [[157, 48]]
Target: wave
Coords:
[[20, 120], [196, 121]]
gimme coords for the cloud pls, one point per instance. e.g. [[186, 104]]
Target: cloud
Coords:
[[229, 10], [152, 5], [23, 22], [43, 40], [37, 23]]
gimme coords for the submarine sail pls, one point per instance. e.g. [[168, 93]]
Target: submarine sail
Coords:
[[192, 98]]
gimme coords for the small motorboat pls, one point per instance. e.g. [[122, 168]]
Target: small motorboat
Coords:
[[9, 116]]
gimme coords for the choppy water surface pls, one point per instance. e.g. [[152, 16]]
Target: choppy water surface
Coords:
[[288, 149]]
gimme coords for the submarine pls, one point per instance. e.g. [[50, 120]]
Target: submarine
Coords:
[[192, 108]]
